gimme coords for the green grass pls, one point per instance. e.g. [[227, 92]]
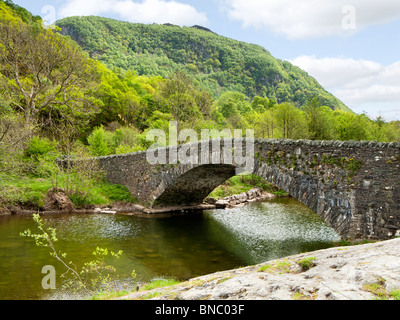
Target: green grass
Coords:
[[378, 289], [31, 191], [15, 189], [306, 263], [159, 283], [103, 193], [243, 183], [109, 295], [279, 267], [155, 284], [395, 295]]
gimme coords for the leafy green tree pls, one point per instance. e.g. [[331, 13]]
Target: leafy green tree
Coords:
[[260, 104], [232, 103], [318, 121], [393, 131], [265, 125], [289, 121], [43, 74], [176, 96], [380, 130], [351, 126], [100, 142]]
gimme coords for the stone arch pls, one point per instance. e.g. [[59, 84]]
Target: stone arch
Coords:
[[192, 186]]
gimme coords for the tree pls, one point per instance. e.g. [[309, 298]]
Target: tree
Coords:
[[393, 129], [177, 96], [267, 123], [260, 104], [13, 138], [100, 143], [319, 125], [232, 101], [351, 126], [289, 121], [263, 124], [43, 74]]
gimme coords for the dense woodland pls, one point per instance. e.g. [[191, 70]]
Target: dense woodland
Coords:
[[102, 94], [216, 64]]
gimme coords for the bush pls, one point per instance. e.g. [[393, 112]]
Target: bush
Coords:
[[307, 263], [40, 147], [40, 157], [100, 142]]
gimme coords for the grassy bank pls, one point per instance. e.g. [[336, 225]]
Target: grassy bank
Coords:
[[30, 192], [244, 183]]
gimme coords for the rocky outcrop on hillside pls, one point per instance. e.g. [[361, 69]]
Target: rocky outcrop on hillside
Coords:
[[362, 272]]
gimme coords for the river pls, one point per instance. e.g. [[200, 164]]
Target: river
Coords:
[[174, 246]]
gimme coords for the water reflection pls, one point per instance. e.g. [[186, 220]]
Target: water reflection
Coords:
[[179, 246], [271, 230]]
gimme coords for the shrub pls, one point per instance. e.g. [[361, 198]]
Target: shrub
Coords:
[[100, 142], [40, 147], [307, 263]]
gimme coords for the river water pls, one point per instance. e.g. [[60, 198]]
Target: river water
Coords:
[[177, 246]]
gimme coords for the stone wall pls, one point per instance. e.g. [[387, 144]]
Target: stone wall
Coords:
[[353, 186]]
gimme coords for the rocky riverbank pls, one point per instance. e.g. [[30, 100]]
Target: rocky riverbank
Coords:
[[363, 272], [57, 201], [251, 196]]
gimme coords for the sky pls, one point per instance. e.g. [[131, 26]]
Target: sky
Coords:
[[351, 47]]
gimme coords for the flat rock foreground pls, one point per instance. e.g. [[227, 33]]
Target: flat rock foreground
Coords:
[[363, 272]]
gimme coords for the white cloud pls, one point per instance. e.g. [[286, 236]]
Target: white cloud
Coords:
[[312, 18], [147, 11], [340, 72], [361, 84]]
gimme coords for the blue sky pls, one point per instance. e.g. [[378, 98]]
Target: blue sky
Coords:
[[352, 47]]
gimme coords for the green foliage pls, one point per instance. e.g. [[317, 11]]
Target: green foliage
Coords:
[[218, 63], [319, 120], [281, 266], [39, 158], [244, 183], [306, 263], [100, 143], [160, 283], [290, 122], [23, 190], [39, 147], [117, 192], [24, 14], [378, 289], [123, 140], [50, 90]]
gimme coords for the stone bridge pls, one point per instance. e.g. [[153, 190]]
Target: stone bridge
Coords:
[[353, 186]]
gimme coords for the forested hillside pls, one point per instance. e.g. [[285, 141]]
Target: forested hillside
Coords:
[[217, 63]]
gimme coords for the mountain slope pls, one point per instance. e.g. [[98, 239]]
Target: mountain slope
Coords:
[[217, 63]]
